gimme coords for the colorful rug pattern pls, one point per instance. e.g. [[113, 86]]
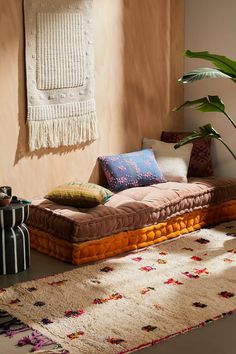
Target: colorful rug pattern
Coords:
[[123, 304]]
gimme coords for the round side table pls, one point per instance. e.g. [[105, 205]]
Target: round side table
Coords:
[[14, 238]]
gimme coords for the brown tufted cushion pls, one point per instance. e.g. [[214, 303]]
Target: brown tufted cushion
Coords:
[[200, 164], [131, 209]]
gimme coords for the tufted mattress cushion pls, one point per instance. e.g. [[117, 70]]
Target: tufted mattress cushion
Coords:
[[130, 209]]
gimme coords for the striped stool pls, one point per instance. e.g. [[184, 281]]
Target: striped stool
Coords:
[[14, 238]]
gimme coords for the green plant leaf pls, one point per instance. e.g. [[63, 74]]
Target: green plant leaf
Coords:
[[226, 65], [201, 74], [205, 104], [206, 131]]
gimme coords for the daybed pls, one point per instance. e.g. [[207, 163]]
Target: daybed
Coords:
[[131, 219]]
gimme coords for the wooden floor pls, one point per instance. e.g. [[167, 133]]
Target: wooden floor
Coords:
[[216, 338]]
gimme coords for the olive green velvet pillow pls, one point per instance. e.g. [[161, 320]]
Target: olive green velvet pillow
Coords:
[[79, 194]]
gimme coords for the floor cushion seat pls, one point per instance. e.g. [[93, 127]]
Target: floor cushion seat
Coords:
[[127, 219]]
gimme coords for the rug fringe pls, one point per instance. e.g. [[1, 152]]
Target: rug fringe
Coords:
[[36, 339], [62, 132], [10, 326], [3, 314]]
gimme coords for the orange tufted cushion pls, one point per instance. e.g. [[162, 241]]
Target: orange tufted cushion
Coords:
[[83, 252]]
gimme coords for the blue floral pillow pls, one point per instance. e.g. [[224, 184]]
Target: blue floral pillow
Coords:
[[133, 169]]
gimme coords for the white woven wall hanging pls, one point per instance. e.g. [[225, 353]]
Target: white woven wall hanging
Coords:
[[60, 72]]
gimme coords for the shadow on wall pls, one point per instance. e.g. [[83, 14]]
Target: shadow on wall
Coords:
[[98, 176], [152, 38], [22, 142]]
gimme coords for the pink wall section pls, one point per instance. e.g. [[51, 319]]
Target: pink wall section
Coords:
[[138, 58]]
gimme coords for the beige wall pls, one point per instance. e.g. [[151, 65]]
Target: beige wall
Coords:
[[210, 25], [138, 51]]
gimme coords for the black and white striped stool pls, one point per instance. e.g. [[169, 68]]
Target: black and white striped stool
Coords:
[[14, 238]]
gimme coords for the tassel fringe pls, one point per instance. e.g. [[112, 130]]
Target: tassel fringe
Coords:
[[3, 314], [62, 132], [9, 326], [38, 341]]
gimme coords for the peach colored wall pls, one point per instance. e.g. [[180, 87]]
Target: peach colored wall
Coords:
[[210, 25], [138, 58]]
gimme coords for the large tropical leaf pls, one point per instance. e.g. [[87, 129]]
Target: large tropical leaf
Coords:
[[226, 65], [205, 104], [201, 74], [203, 132], [206, 131]]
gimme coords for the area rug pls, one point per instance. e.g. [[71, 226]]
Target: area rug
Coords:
[[123, 304]]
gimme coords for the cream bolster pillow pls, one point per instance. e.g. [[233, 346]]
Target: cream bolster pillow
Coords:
[[173, 162]]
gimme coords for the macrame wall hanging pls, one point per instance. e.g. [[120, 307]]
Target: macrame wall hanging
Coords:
[[60, 72]]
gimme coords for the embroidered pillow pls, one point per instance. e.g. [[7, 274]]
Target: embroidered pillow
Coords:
[[79, 194], [200, 164], [173, 162], [133, 169]]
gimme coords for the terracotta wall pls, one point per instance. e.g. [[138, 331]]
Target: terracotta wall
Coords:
[[138, 51]]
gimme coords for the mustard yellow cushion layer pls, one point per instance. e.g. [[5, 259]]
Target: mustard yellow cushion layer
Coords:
[[79, 194], [90, 251]]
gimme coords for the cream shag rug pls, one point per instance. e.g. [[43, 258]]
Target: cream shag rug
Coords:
[[124, 304]]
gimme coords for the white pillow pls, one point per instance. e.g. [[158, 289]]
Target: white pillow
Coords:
[[173, 162]]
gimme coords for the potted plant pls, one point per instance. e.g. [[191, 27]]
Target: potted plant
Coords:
[[224, 68]]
